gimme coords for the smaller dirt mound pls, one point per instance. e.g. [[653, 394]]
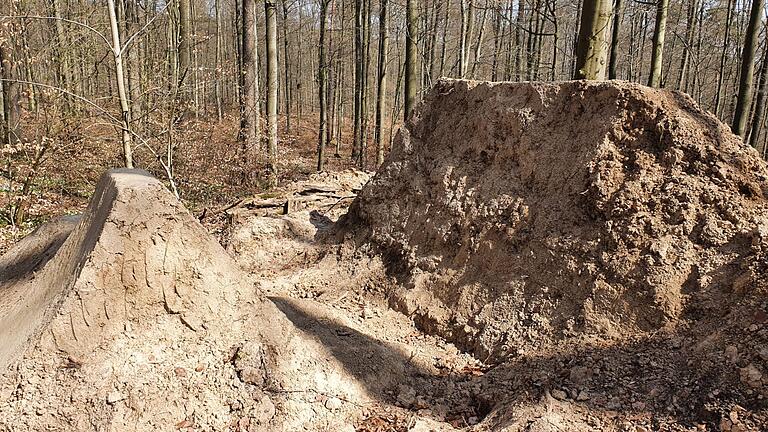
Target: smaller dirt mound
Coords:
[[137, 321], [515, 214]]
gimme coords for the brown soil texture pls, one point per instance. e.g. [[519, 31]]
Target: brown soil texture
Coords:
[[518, 214]]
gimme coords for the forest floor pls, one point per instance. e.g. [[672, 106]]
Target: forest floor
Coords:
[[208, 169]]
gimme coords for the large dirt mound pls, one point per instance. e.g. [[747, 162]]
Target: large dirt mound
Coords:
[[515, 214]]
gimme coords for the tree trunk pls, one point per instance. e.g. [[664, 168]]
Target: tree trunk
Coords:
[[194, 57], [250, 132], [322, 87], [271, 27], [444, 38], [217, 64], [382, 84], [330, 80], [358, 89], [690, 28], [287, 68], [185, 52], [657, 51], [11, 96], [464, 36], [556, 39], [173, 51], [122, 94], [411, 60], [479, 44], [497, 29], [759, 116], [723, 56], [63, 55], [432, 43], [134, 60], [592, 43], [364, 103], [519, 40], [614, 57], [744, 100]]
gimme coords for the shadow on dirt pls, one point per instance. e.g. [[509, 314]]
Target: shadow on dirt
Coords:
[[659, 380], [36, 249]]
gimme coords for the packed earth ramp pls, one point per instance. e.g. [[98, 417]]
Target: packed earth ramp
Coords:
[[136, 295]]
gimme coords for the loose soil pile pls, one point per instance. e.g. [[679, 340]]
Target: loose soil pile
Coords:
[[514, 215]]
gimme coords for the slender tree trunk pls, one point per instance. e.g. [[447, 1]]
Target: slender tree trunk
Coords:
[[250, 116], [759, 116], [194, 56], [592, 43], [122, 94], [330, 79], [382, 84], [538, 29], [519, 40], [529, 45], [508, 44], [693, 74], [299, 75], [497, 39], [62, 40], [444, 38], [614, 57], [358, 89], [322, 87], [173, 50], [556, 39], [31, 88], [411, 60], [432, 43], [340, 73], [134, 60], [723, 56], [657, 51], [11, 96], [185, 52], [575, 41], [287, 68], [479, 43], [217, 64], [364, 105], [464, 37], [272, 77], [690, 28], [744, 100]]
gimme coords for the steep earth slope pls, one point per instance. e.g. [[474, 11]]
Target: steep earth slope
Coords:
[[515, 214]]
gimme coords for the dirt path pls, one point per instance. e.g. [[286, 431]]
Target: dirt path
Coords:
[[391, 376]]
